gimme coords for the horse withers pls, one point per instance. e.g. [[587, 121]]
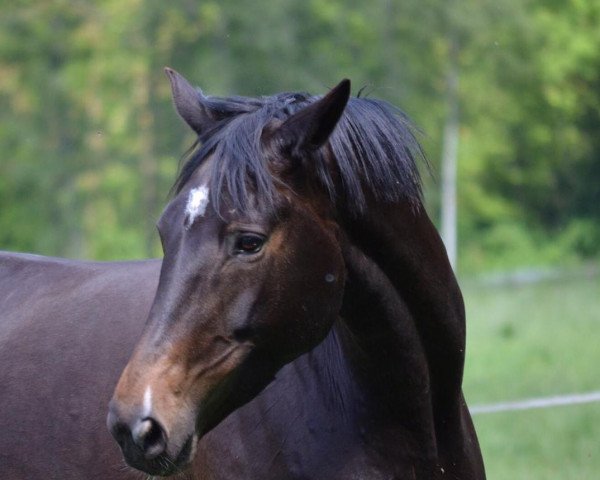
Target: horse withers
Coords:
[[306, 322]]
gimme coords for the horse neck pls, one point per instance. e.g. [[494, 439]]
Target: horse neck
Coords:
[[386, 379], [405, 311]]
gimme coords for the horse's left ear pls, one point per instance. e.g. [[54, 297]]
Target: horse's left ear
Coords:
[[309, 129], [189, 103]]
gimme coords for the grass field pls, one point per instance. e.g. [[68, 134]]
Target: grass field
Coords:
[[535, 341]]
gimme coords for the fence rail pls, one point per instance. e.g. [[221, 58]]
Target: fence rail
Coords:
[[536, 403], [527, 276]]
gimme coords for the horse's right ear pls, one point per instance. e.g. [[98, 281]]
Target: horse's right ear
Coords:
[[309, 128], [189, 103]]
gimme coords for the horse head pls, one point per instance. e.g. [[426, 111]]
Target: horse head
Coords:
[[252, 276]]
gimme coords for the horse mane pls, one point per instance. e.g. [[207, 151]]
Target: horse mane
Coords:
[[373, 144]]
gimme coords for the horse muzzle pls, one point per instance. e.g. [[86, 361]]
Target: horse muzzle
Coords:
[[146, 444]]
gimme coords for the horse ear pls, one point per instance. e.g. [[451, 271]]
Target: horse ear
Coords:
[[309, 129], [188, 102]]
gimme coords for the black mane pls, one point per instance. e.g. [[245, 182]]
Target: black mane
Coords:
[[373, 144]]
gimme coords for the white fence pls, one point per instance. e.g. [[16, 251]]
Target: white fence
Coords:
[[536, 403]]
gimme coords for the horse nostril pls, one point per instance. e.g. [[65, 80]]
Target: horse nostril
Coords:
[[149, 436], [119, 430]]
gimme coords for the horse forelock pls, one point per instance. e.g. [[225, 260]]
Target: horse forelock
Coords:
[[373, 147]]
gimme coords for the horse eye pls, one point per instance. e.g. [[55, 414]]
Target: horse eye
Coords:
[[248, 243]]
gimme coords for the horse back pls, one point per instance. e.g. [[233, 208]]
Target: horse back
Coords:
[[67, 329]]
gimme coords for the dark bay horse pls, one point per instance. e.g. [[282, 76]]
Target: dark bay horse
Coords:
[[304, 323]]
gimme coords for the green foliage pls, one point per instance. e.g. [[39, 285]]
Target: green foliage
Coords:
[[531, 138], [90, 143]]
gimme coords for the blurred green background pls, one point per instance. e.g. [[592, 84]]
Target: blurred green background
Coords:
[[89, 147]]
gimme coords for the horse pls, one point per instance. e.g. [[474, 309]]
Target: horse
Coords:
[[304, 323]]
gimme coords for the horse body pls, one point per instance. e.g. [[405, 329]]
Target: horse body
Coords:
[[305, 323], [66, 331]]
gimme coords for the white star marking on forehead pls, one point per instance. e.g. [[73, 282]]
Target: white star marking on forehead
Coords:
[[196, 204]]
